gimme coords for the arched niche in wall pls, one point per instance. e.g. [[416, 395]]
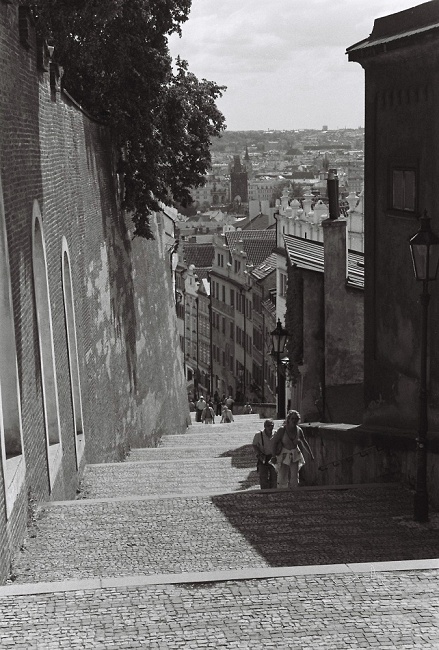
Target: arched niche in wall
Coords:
[[11, 437], [47, 354], [72, 352]]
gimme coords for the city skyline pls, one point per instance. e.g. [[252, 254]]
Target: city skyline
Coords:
[[284, 63]]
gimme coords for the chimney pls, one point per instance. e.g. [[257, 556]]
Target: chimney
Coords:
[[332, 184], [335, 265]]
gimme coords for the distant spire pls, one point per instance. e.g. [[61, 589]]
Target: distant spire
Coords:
[[246, 157]]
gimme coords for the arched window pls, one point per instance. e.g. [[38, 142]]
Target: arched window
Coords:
[[11, 438], [47, 355], [72, 351]]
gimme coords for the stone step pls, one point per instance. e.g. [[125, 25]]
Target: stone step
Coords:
[[213, 437], [177, 476], [152, 454], [308, 526]]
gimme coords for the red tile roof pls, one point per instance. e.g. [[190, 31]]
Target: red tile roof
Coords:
[[258, 244], [200, 255]]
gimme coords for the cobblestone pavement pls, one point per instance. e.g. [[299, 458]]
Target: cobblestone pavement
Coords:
[[168, 536], [333, 612], [231, 531]]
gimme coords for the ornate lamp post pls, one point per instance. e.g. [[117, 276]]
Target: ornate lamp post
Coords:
[[279, 339], [424, 248]]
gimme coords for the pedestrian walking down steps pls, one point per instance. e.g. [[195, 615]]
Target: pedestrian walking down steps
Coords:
[[208, 414], [227, 415]]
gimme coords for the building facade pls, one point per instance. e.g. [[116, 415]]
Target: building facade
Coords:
[[401, 63]]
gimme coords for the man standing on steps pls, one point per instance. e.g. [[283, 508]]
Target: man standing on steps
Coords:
[[263, 446], [200, 406]]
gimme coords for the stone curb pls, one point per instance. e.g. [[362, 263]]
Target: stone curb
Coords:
[[214, 576], [196, 495]]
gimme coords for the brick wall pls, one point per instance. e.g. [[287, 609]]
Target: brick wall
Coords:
[[56, 160]]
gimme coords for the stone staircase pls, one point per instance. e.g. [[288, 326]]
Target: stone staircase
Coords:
[[179, 548]]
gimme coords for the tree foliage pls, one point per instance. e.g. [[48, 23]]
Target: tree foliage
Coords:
[[117, 66]]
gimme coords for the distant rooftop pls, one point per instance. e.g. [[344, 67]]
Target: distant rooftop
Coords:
[[266, 267], [308, 254], [200, 255], [258, 244]]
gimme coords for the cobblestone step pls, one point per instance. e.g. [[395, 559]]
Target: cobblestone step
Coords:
[[191, 453], [381, 611], [122, 537], [214, 436], [178, 475]]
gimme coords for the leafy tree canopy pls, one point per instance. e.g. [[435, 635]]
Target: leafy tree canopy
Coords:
[[117, 66]]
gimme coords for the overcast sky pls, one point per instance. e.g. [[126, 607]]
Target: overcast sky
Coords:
[[283, 61]]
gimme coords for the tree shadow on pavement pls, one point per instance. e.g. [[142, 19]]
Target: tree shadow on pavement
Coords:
[[312, 527]]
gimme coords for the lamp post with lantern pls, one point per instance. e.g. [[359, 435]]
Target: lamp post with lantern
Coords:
[[279, 339], [424, 248]]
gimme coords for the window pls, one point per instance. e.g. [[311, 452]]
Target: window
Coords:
[[237, 266], [72, 350], [403, 190], [232, 330], [11, 440], [232, 297], [46, 346], [220, 260], [283, 284], [224, 294]]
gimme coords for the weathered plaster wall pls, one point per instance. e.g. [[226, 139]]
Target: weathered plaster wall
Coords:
[[344, 312], [313, 368]]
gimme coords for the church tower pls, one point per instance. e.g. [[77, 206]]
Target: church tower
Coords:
[[238, 181]]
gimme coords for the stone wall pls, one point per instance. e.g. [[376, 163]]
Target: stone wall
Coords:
[[346, 454], [90, 310]]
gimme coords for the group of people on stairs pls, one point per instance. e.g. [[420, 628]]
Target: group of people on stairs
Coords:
[[280, 455]]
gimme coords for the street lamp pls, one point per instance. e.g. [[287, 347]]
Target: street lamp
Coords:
[[279, 339], [424, 248]]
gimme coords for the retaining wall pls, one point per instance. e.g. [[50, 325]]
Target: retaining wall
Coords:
[[102, 370]]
